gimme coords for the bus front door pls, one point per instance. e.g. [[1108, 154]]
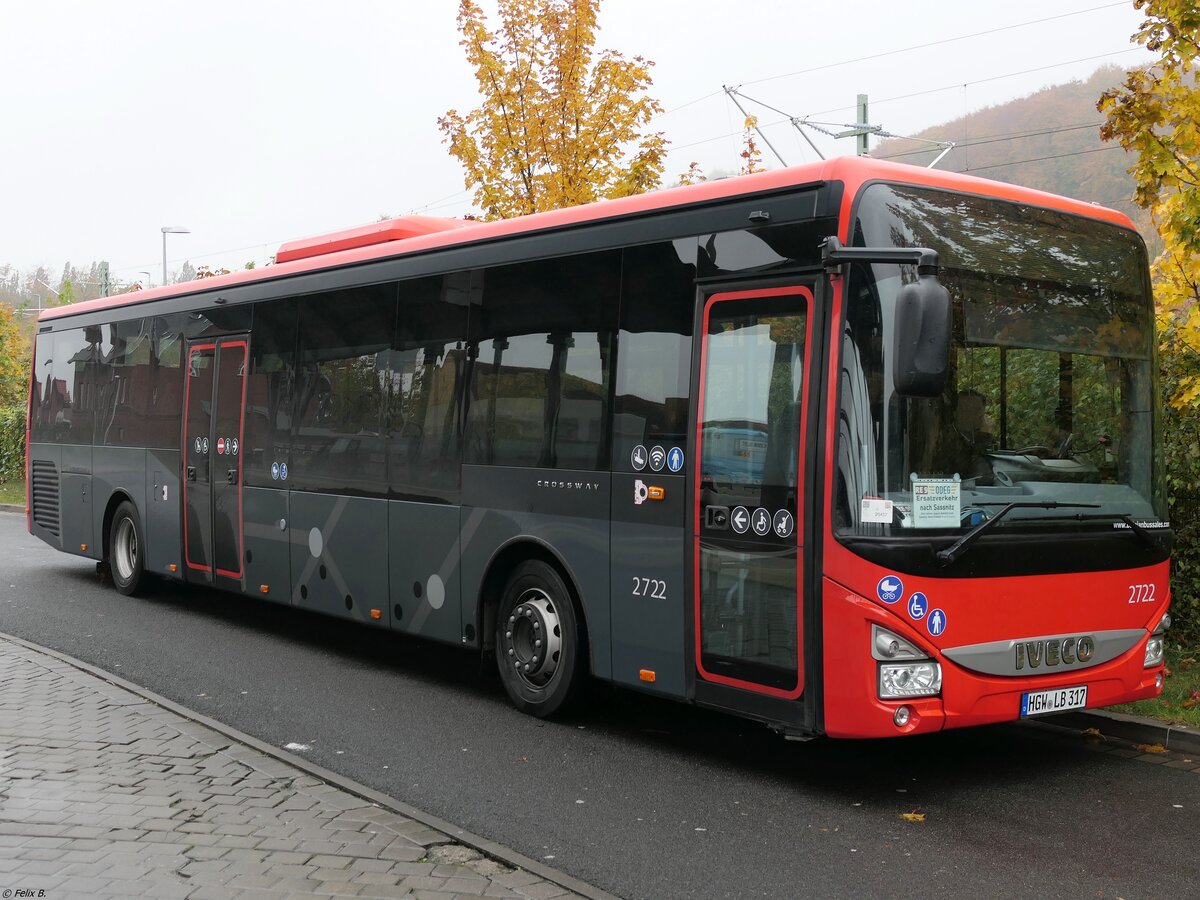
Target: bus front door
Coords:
[[751, 416], [214, 414]]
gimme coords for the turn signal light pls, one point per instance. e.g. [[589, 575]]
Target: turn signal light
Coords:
[[655, 493], [173, 567], [377, 614], [83, 548], [647, 675], [265, 588]]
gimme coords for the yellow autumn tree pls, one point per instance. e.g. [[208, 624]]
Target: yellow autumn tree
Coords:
[[1155, 114], [14, 359], [560, 124]]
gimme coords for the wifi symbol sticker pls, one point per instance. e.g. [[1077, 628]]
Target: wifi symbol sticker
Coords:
[[658, 458]]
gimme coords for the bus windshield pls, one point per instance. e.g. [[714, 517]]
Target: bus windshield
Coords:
[[1049, 399]]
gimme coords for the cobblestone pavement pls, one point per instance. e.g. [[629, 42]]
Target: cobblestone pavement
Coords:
[[104, 793]]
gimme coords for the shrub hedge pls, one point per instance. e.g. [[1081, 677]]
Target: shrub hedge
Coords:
[[1181, 447], [12, 443]]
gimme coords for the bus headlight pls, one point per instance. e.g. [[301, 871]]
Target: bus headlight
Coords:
[[910, 679], [1154, 652], [1157, 642]]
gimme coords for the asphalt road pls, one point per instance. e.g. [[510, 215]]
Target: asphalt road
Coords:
[[641, 797]]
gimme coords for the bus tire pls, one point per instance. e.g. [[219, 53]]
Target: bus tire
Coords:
[[126, 550], [539, 645]]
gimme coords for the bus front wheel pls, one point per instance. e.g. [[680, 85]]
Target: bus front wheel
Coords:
[[539, 645], [125, 550]]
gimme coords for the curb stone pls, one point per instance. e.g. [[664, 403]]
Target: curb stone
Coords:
[[1137, 729], [452, 832]]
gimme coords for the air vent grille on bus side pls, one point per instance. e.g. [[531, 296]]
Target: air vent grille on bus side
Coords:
[[45, 495]]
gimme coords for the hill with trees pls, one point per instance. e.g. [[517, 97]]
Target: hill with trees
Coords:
[[1049, 140]]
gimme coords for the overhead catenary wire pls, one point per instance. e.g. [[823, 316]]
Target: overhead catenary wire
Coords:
[[937, 43], [997, 139], [874, 103], [965, 84], [894, 52], [1018, 162]]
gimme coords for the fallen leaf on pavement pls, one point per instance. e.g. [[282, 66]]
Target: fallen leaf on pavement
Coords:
[[1150, 748], [913, 816]]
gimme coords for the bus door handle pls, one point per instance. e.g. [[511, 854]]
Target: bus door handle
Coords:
[[191, 473], [232, 476]]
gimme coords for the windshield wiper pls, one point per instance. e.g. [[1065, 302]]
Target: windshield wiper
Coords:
[[959, 547]]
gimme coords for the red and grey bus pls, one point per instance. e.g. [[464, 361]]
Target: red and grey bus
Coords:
[[853, 448]]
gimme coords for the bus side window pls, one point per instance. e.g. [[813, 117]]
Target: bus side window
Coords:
[[338, 443], [124, 378], [424, 372], [654, 349], [541, 341], [270, 392]]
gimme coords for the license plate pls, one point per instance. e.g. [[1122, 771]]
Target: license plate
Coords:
[[1036, 703]]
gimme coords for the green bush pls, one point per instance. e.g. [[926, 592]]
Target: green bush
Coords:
[[1181, 433], [12, 443]]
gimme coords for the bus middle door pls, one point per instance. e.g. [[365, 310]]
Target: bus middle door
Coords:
[[214, 415]]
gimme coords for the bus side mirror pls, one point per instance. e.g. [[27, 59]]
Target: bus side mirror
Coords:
[[922, 338]]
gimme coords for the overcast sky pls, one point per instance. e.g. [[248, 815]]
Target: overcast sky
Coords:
[[252, 122]]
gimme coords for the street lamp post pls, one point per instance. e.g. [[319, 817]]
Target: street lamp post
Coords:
[[170, 229]]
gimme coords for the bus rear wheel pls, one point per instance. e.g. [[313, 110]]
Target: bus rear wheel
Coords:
[[125, 550], [539, 645]]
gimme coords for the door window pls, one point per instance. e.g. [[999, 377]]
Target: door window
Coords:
[[749, 490]]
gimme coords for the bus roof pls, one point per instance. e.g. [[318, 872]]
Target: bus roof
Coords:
[[414, 234]]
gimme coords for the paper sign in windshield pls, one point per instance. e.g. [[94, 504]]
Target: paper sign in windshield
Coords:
[[937, 502], [876, 509]]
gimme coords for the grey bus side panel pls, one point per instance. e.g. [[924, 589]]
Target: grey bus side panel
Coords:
[[118, 469], [339, 556], [564, 511], [650, 590], [161, 514], [267, 552], [76, 501], [423, 551]]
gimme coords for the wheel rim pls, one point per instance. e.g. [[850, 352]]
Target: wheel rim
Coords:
[[125, 549], [533, 638]]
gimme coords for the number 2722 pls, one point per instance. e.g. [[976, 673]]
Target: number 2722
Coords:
[[1141, 593], [649, 587]]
